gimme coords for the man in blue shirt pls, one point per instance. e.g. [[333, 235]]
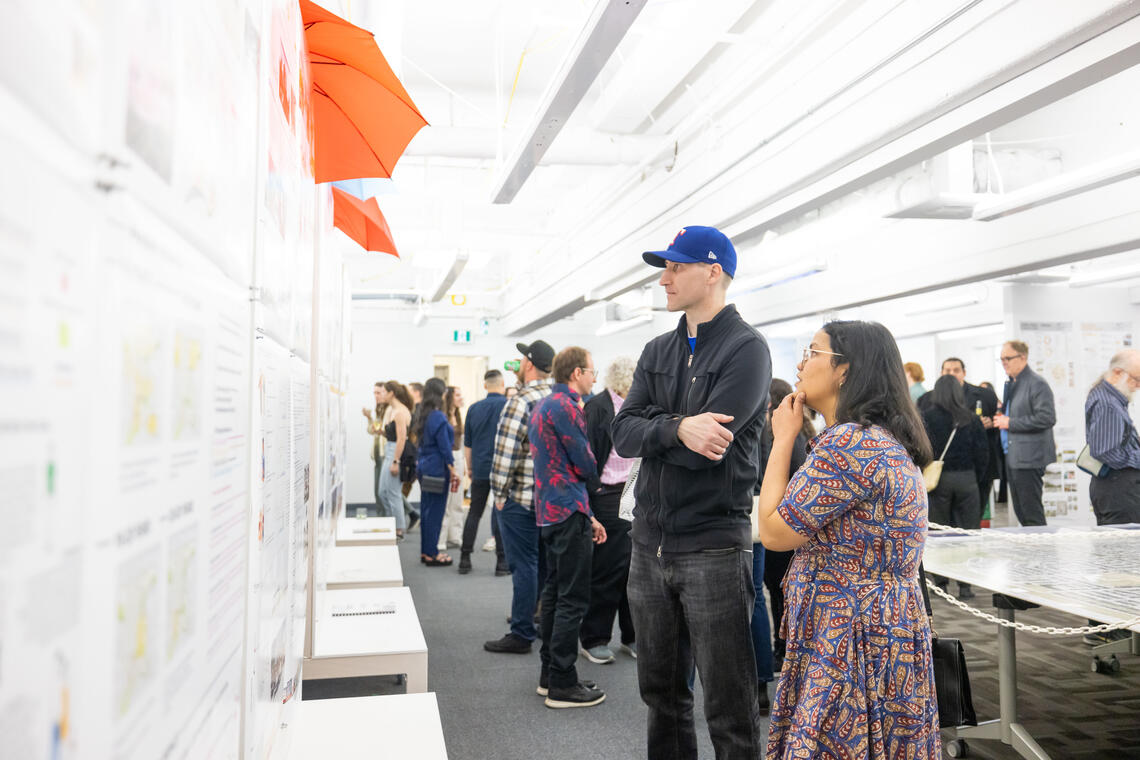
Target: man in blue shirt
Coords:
[[1112, 439], [478, 449]]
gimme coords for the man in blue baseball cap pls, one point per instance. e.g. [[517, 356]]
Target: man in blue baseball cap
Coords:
[[694, 415]]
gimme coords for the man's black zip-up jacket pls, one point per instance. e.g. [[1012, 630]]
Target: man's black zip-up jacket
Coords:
[[686, 502]]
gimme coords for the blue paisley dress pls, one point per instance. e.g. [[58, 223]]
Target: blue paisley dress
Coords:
[[858, 680]]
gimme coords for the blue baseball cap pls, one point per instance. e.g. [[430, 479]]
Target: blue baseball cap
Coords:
[[697, 245]]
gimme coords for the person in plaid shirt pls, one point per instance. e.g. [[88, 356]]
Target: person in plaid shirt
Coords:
[[565, 472], [512, 488]]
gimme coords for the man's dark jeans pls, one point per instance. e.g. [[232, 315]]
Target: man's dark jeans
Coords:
[[520, 542], [609, 574], [1025, 487], [696, 607], [565, 596], [480, 490]]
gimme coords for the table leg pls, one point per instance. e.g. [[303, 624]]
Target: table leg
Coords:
[[1006, 730]]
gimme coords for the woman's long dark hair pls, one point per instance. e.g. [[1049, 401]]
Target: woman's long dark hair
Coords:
[[777, 392], [452, 412], [948, 394], [434, 390], [875, 390]]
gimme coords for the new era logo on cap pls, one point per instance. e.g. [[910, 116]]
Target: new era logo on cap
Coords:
[[693, 244]]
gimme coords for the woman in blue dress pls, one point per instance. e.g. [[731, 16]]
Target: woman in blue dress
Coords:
[[858, 679], [435, 437]]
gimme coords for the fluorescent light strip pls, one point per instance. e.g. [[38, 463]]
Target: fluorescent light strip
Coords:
[[945, 306], [1103, 277], [966, 332], [777, 277], [1063, 186]]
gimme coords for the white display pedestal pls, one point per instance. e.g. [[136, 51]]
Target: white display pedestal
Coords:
[[365, 567], [369, 728], [367, 531], [379, 635]]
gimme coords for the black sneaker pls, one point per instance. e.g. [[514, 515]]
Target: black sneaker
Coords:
[[544, 684], [762, 699], [578, 695], [502, 568], [413, 518], [464, 563], [509, 644]]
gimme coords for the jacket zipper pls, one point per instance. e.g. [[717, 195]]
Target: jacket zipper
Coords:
[[660, 516]]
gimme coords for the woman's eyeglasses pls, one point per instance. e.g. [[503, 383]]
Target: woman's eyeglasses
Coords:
[[809, 352]]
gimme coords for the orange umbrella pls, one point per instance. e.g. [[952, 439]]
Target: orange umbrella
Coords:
[[363, 222], [364, 116]]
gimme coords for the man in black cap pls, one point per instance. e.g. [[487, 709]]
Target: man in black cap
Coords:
[[694, 415], [512, 488]]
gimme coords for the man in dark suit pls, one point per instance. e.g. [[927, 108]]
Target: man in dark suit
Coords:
[[985, 402], [1029, 417]]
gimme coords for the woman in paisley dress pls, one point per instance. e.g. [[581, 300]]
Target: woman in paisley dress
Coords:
[[858, 679]]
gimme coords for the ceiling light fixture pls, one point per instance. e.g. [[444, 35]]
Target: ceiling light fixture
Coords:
[[779, 276], [1104, 276], [1059, 187], [451, 276], [948, 305], [966, 332]]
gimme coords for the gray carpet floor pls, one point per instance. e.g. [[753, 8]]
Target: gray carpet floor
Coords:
[[489, 708], [487, 702]]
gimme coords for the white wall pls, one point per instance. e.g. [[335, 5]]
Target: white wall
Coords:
[[385, 345]]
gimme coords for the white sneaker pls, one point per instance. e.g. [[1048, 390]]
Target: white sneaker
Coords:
[[489, 544], [600, 654]]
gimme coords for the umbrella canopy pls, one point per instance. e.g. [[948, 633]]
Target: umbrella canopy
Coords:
[[363, 222], [364, 117]]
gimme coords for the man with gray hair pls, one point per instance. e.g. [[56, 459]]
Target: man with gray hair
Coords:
[[1112, 439], [610, 568], [1029, 419]]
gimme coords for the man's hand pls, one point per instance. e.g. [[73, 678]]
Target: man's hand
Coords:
[[788, 417], [1001, 422], [988, 423], [599, 531], [706, 434], [367, 412], [500, 504]]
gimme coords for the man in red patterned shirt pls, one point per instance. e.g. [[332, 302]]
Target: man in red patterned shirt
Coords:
[[564, 473]]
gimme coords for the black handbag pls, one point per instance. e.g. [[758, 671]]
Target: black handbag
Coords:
[[952, 684], [408, 463], [433, 484]]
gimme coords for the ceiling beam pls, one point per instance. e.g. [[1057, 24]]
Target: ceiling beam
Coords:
[[606, 27]]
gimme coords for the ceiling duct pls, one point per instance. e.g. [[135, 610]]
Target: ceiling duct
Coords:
[[950, 192]]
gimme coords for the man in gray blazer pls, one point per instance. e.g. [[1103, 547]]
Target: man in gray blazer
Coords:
[[1029, 417]]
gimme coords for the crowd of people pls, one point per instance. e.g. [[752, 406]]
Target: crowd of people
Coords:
[[735, 489]]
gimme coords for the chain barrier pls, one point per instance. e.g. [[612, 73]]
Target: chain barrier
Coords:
[[1030, 538], [1046, 629]]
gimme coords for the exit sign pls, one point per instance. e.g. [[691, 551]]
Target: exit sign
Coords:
[[460, 336]]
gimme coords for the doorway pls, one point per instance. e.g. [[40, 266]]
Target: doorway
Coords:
[[465, 373]]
